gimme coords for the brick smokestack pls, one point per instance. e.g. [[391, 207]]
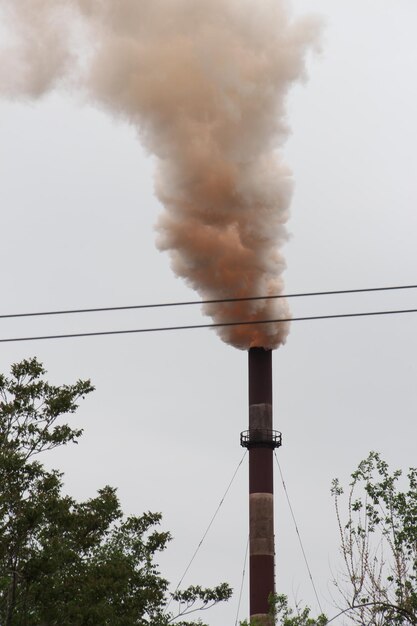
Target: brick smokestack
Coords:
[[261, 440]]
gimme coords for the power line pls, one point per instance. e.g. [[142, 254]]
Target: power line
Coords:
[[200, 302], [101, 333]]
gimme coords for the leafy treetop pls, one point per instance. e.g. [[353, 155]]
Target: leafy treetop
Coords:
[[69, 562]]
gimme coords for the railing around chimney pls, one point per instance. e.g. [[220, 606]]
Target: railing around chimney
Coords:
[[259, 437]]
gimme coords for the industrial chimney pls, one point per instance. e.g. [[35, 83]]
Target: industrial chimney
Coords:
[[261, 440]]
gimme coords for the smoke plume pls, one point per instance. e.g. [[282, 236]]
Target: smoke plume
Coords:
[[204, 82]]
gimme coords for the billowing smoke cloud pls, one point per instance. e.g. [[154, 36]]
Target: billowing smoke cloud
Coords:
[[204, 82]]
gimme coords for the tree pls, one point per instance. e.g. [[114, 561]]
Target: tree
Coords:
[[378, 539], [281, 613], [379, 545], [65, 562]]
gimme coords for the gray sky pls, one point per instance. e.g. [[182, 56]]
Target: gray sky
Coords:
[[77, 223]]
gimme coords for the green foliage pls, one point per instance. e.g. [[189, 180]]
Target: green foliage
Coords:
[[30, 407], [379, 549], [298, 617], [65, 562], [379, 545], [197, 598], [281, 613]]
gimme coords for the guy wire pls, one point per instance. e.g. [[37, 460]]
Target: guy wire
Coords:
[[298, 534]]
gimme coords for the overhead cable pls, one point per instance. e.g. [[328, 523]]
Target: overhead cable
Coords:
[[200, 302], [101, 333]]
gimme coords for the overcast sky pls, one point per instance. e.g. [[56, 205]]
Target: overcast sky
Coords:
[[77, 230]]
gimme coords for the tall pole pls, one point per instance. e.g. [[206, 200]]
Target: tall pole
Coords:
[[261, 440]]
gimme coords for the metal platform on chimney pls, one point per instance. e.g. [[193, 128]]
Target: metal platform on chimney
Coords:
[[260, 438]]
